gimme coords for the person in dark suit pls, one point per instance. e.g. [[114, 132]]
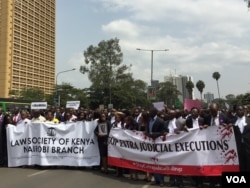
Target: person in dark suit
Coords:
[[242, 136], [155, 128], [7, 119], [215, 118], [174, 180], [195, 121]]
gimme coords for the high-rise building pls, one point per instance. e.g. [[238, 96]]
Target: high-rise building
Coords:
[[27, 45], [209, 97], [180, 82]]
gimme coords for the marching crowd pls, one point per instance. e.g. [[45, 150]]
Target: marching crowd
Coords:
[[152, 122]]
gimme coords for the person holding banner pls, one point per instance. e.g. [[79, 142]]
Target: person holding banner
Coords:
[[102, 131], [81, 116], [3, 140], [111, 115], [37, 116], [156, 127], [16, 115], [50, 117], [67, 117], [173, 129], [195, 121], [24, 117], [118, 123], [215, 118], [131, 124], [242, 136], [144, 120], [58, 115]]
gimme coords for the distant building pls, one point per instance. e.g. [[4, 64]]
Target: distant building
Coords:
[[180, 82], [209, 97], [27, 47], [154, 83]]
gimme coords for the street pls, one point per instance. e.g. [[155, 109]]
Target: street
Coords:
[[71, 178]]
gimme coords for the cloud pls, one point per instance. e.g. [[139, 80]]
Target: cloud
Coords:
[[123, 28], [74, 78], [202, 37]]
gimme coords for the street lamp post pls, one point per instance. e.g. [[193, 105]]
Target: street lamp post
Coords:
[[152, 54], [58, 97]]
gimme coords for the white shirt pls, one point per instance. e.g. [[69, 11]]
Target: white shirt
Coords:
[[112, 119], [172, 125], [241, 123], [38, 119], [215, 120], [23, 121], [195, 123], [119, 125]]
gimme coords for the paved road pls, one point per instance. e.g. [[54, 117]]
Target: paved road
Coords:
[[69, 178]]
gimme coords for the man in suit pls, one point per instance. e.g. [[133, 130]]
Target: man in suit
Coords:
[[174, 180], [242, 137], [155, 128], [215, 118], [195, 121]]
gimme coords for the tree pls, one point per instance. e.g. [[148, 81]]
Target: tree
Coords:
[[167, 92], [190, 86], [200, 85], [32, 94], [111, 82], [216, 76], [66, 92], [248, 3], [243, 99]]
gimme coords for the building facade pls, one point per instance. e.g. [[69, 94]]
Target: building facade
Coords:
[[208, 97], [27, 46], [180, 82]]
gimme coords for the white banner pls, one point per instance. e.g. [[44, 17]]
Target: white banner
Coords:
[[38, 105], [71, 144], [73, 104], [197, 152]]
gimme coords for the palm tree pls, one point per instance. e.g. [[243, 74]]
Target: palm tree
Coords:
[[200, 86], [216, 76], [248, 3], [190, 86]]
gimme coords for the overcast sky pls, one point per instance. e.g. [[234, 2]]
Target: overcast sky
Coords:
[[202, 37]]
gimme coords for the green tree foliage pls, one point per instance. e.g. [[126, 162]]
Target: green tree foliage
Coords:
[[111, 82], [66, 92], [167, 92], [248, 3], [243, 99], [14, 94], [190, 87], [200, 85], [32, 94]]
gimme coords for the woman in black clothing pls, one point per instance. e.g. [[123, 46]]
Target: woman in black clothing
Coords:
[[102, 131], [3, 147]]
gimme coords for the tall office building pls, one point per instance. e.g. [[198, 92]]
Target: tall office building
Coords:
[[180, 82], [209, 97], [27, 45]]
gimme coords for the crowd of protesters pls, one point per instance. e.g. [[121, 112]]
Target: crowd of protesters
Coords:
[[151, 121]]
